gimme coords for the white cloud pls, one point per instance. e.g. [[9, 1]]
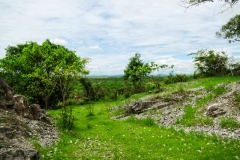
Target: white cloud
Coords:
[[95, 47], [112, 31], [59, 41]]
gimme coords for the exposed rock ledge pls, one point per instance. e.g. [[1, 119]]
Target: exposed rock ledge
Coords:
[[166, 109], [15, 133], [20, 125]]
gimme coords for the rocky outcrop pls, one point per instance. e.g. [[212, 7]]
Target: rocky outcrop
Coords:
[[20, 154], [33, 111], [216, 109], [139, 106], [20, 121], [15, 131], [6, 94], [168, 109]]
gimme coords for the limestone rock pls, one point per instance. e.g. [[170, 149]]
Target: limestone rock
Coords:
[[139, 106], [19, 154], [21, 105], [6, 94], [216, 109]]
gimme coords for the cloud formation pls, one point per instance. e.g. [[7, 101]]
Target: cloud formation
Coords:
[[110, 32]]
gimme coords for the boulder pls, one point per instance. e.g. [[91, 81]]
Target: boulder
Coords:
[[6, 94], [216, 109], [21, 105], [33, 111], [139, 106]]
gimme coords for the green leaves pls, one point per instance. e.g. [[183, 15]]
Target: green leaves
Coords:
[[35, 69], [211, 63], [231, 30]]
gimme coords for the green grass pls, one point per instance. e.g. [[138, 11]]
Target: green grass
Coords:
[[189, 118], [100, 137], [237, 97], [229, 124]]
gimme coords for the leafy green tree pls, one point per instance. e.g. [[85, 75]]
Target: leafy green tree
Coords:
[[155, 67], [34, 70], [136, 70], [211, 63], [66, 74], [231, 30]]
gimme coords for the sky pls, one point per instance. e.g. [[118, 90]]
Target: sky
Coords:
[[110, 32]]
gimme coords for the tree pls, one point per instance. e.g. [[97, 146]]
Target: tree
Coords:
[[231, 30], [31, 69], [192, 3], [66, 74], [155, 67], [136, 70], [211, 63]]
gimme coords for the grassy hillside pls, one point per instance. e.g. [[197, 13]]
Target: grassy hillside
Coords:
[[99, 136]]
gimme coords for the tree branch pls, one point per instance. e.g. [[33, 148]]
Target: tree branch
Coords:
[[193, 3]]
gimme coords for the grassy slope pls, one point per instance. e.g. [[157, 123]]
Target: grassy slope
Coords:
[[100, 137]]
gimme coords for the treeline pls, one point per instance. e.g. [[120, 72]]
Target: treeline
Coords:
[[54, 77]]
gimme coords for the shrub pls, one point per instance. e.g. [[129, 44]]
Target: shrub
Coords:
[[175, 79], [66, 120]]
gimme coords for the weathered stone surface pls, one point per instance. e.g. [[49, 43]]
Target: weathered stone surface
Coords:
[[139, 106], [19, 121], [216, 110], [15, 131], [33, 111], [19, 154], [169, 108], [6, 94], [21, 105]]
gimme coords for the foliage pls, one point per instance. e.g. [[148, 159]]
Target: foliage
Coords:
[[176, 78], [211, 63], [136, 70], [42, 72], [156, 67], [90, 109], [66, 120], [192, 3], [231, 30]]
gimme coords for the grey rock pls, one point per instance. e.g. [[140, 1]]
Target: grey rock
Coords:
[[216, 109], [19, 154], [6, 94]]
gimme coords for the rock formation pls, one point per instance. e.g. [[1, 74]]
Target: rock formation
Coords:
[[6, 94], [19, 121]]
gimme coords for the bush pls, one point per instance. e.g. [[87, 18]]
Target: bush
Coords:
[[215, 63], [175, 79], [66, 120]]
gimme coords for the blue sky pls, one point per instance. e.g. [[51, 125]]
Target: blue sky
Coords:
[[110, 32]]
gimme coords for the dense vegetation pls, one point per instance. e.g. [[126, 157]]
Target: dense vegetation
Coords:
[[43, 73]]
